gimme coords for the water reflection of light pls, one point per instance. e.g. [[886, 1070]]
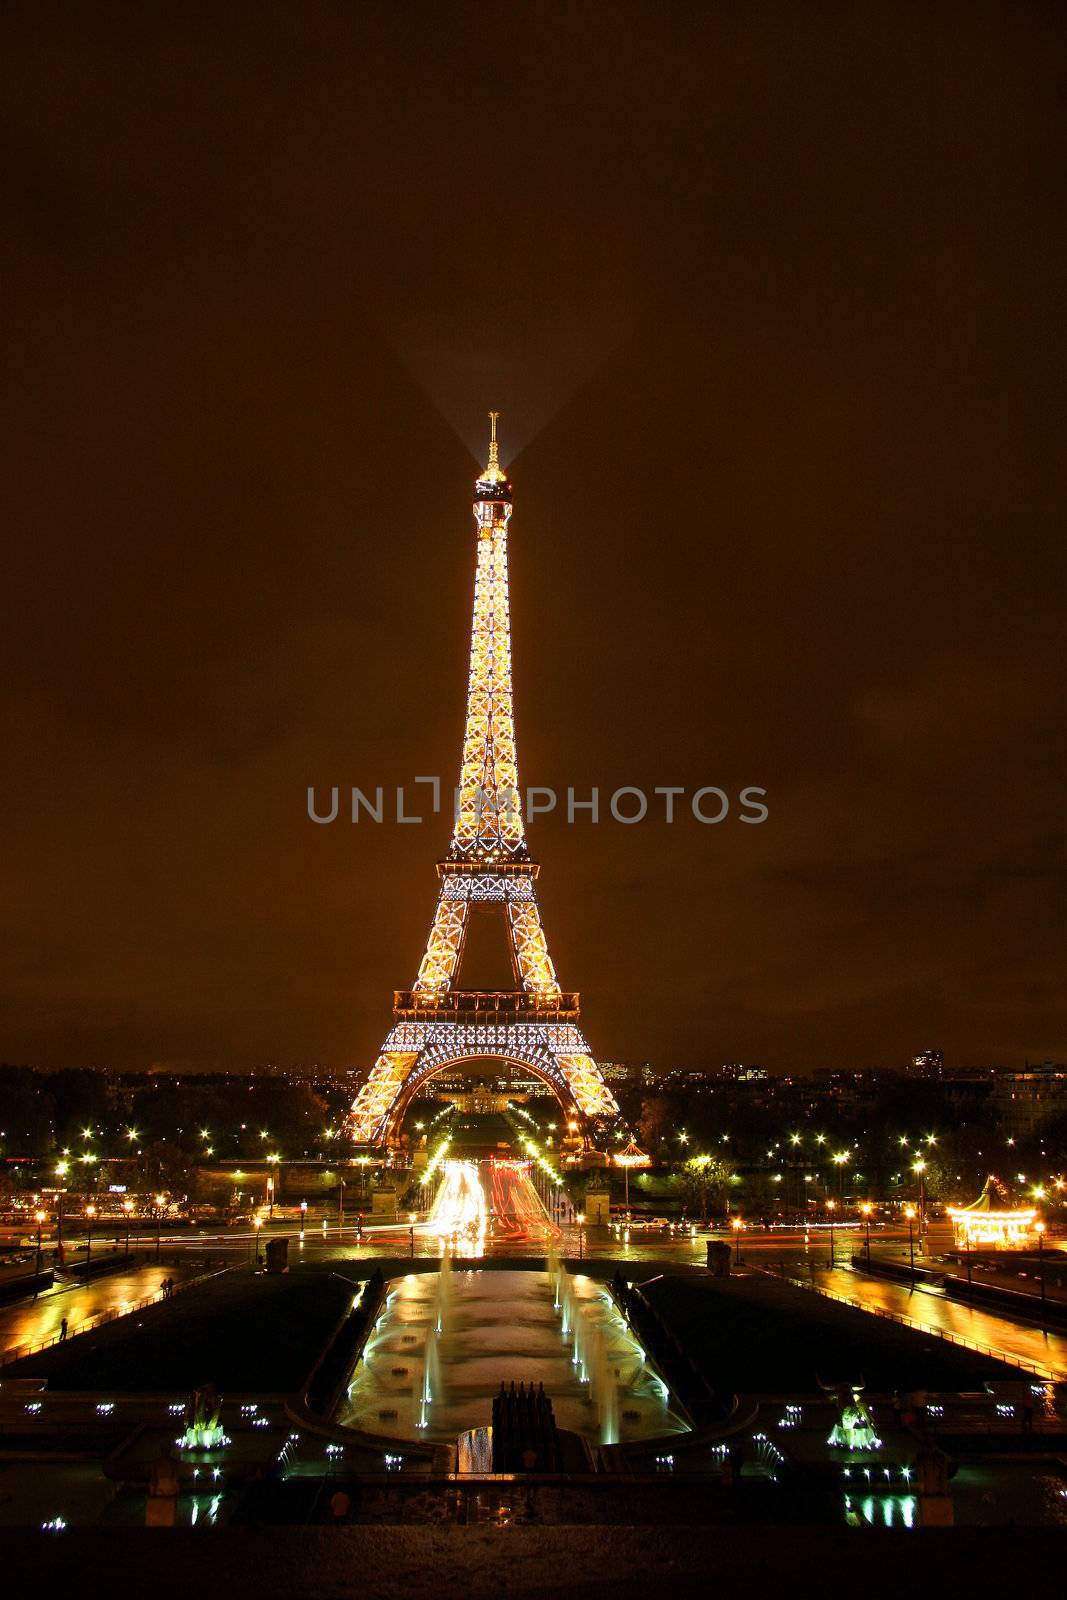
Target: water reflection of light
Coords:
[[459, 1217]]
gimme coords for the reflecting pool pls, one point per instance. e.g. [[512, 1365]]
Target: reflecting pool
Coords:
[[445, 1342]]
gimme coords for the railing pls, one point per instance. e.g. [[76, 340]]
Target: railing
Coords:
[[481, 869], [35, 1346], [487, 1004], [1048, 1374]]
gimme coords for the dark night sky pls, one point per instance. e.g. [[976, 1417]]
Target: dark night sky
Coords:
[[772, 300]]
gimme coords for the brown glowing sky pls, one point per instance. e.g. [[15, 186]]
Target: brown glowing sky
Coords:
[[772, 301]]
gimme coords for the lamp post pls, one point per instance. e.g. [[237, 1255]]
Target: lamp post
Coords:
[[830, 1208], [341, 1211], [411, 1232], [919, 1167], [127, 1206], [581, 1235], [866, 1208], [303, 1216], [90, 1212], [40, 1215], [736, 1224], [1039, 1229], [161, 1201], [909, 1212], [257, 1223], [967, 1243]]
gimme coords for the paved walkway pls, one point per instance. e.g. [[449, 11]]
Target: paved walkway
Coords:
[[31, 1322], [931, 1310]]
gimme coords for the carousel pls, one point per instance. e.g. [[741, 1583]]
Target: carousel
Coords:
[[991, 1223]]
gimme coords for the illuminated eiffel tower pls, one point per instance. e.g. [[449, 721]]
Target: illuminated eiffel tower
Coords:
[[487, 870]]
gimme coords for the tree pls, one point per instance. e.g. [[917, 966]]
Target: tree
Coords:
[[705, 1181], [657, 1122]]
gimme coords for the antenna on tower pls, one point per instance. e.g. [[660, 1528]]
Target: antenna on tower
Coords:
[[494, 452]]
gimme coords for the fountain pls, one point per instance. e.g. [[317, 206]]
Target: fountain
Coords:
[[444, 1290], [561, 1334], [604, 1386], [203, 1431], [431, 1376]]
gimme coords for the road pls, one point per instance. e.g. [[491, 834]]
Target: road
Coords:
[[493, 1207]]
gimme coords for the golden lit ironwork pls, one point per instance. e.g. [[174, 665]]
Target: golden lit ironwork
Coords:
[[488, 865]]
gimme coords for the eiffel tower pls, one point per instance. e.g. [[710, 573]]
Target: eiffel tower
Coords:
[[488, 869]]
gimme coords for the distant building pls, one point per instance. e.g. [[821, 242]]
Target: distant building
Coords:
[[929, 1064], [1026, 1100], [624, 1072], [738, 1072]]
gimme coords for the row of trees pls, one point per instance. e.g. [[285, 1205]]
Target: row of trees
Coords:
[[42, 1114]]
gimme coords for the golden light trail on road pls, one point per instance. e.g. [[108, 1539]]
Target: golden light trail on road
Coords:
[[459, 1216]]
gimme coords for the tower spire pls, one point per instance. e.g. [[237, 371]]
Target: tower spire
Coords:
[[493, 485]]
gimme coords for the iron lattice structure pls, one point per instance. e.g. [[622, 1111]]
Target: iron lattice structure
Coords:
[[487, 868]]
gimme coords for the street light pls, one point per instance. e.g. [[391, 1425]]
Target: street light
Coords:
[[40, 1215], [866, 1208], [909, 1212], [90, 1212], [127, 1206], [581, 1235], [411, 1232], [919, 1167], [257, 1223], [736, 1224], [303, 1216], [161, 1201], [830, 1208], [1039, 1229]]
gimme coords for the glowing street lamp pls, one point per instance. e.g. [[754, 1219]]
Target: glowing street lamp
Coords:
[[257, 1223], [830, 1208], [411, 1232], [303, 1216], [919, 1168], [581, 1235], [909, 1212], [127, 1206], [866, 1208], [40, 1216], [736, 1224], [1039, 1229], [161, 1201], [90, 1212]]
